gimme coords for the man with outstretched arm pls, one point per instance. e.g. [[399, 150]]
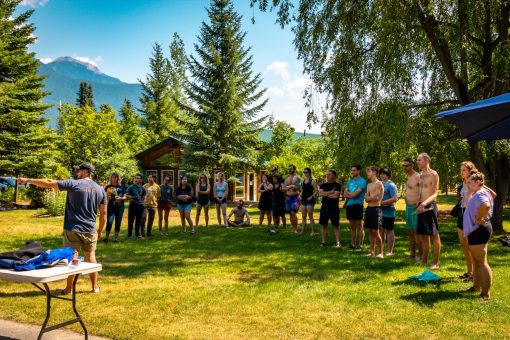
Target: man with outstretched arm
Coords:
[[84, 198]]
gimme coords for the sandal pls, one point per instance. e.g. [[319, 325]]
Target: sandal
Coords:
[[464, 276]]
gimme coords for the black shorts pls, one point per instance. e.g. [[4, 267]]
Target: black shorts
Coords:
[[329, 214], [373, 218], [354, 212], [460, 219], [480, 235], [223, 201], [427, 223], [388, 223]]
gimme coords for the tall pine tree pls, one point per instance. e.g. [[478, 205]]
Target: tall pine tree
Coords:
[[26, 144], [85, 96], [130, 127], [221, 127], [157, 110]]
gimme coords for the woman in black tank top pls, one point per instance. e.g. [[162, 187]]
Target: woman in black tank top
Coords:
[[202, 189], [307, 199], [265, 202]]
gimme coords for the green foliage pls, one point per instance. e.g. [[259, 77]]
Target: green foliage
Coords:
[[85, 96], [221, 127], [136, 137], [311, 153], [96, 138], [54, 202], [282, 136], [425, 56], [158, 101], [23, 195], [26, 144]]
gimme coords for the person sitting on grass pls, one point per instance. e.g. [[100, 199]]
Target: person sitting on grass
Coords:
[[239, 212]]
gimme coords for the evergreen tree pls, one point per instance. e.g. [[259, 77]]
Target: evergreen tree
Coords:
[[130, 127], [25, 142], [177, 63], [85, 96], [221, 128], [157, 110]]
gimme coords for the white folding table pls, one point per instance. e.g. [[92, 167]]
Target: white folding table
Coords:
[[47, 275]]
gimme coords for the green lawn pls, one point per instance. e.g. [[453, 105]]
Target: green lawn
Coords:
[[243, 283]]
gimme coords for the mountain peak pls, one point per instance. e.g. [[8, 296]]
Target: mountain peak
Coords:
[[78, 69], [89, 66]]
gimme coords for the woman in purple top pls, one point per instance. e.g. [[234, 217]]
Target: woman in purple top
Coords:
[[478, 230]]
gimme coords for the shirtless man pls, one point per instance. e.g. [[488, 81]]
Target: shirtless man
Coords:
[[291, 188], [373, 212], [412, 199], [427, 225], [239, 213]]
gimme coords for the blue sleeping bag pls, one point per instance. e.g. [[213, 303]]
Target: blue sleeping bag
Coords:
[[47, 259]]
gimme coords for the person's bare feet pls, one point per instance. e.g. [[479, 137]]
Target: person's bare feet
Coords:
[[434, 266]]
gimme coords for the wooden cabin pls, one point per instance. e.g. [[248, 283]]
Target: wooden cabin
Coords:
[[164, 159]]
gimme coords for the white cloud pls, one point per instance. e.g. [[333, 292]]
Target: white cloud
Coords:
[[287, 104], [299, 83], [275, 91], [34, 3], [280, 68], [45, 60], [91, 61]]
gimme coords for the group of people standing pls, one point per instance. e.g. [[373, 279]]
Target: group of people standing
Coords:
[[147, 199], [279, 196]]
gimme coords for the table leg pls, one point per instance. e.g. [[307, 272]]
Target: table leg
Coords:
[[47, 291], [48, 310], [76, 311]]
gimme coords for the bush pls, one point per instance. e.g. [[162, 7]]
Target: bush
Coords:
[[7, 196], [54, 202]]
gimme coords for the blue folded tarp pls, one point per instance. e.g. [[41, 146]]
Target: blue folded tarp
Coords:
[[426, 276]]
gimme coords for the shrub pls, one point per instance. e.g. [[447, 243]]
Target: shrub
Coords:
[[54, 202], [7, 196]]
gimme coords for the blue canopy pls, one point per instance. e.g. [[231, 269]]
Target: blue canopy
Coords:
[[487, 119]]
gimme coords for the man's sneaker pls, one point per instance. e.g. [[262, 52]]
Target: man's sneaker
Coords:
[[105, 240], [358, 247], [139, 237], [338, 245], [350, 246], [130, 238], [116, 240], [380, 256]]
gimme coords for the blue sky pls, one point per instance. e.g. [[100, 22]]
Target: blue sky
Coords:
[[117, 36]]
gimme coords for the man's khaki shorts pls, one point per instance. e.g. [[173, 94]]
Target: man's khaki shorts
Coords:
[[77, 241]]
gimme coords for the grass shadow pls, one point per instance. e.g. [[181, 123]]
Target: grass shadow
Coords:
[[430, 298]]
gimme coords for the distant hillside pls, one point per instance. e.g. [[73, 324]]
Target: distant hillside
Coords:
[[63, 77], [267, 134]]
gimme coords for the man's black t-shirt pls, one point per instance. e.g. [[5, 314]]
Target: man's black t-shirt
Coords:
[[327, 202]]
